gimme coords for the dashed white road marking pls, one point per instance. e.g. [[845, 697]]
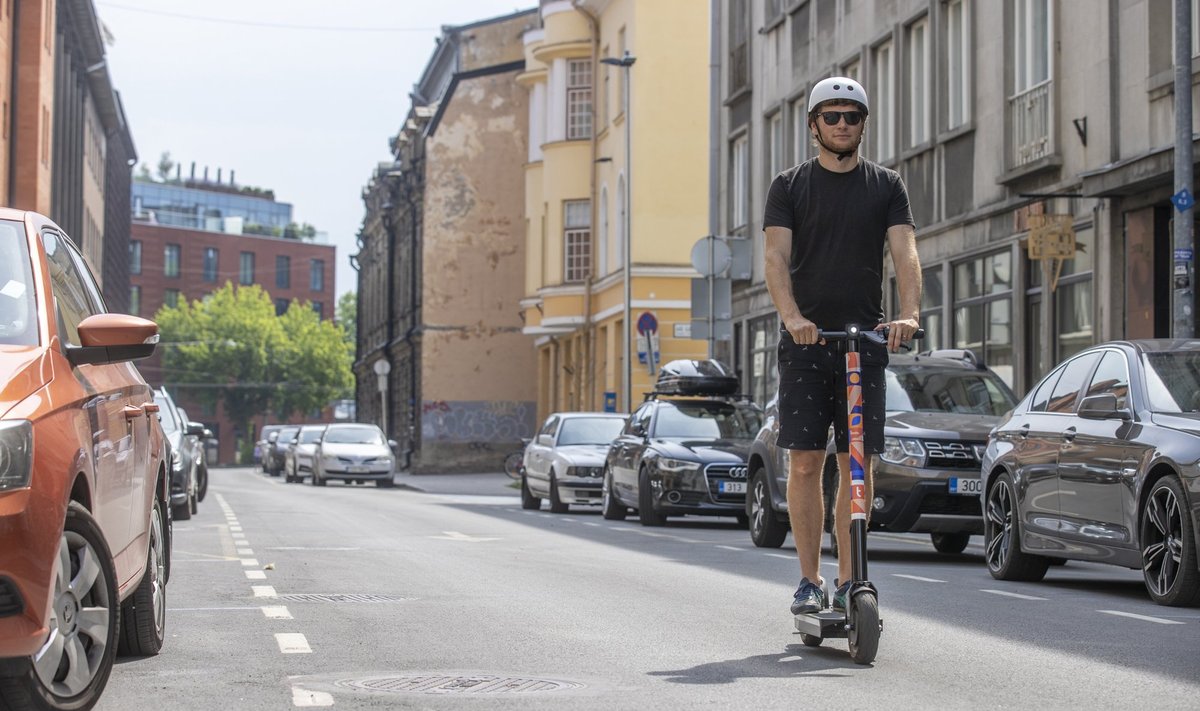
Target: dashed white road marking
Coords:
[[276, 612], [591, 523], [781, 555], [235, 529], [733, 548], [1018, 596], [311, 548], [255, 575], [304, 697], [918, 578], [456, 536], [264, 591], [245, 551], [292, 643], [1143, 618], [250, 562]]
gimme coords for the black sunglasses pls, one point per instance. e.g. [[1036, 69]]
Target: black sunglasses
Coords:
[[831, 118]]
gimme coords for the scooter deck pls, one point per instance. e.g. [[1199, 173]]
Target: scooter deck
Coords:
[[824, 624]]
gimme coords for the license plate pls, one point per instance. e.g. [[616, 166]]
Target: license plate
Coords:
[[358, 468], [732, 487], [967, 487]]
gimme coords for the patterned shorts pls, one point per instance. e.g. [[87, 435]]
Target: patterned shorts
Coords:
[[812, 395]]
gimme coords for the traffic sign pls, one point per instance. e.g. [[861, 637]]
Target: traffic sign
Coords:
[[647, 323], [711, 256]]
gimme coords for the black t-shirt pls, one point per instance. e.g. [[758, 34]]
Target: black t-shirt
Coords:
[[839, 224]]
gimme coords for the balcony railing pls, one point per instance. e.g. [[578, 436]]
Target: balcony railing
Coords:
[[1031, 120]]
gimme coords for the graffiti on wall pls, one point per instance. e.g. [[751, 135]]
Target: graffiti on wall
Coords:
[[477, 420]]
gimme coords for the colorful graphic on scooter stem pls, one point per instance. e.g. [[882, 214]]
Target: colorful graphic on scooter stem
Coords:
[[854, 402]]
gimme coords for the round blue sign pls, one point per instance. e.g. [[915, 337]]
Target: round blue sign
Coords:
[[647, 323]]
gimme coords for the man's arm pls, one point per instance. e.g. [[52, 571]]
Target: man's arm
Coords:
[[779, 285], [902, 242]]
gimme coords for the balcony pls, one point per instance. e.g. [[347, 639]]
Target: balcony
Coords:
[[1031, 121]]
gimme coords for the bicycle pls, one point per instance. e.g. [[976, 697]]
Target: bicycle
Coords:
[[514, 462]]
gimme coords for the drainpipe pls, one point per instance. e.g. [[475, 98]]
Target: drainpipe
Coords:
[[413, 315], [589, 327], [390, 226]]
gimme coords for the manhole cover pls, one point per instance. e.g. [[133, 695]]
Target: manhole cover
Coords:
[[342, 597], [469, 685]]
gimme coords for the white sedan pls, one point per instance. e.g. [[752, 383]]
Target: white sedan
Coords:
[[565, 462], [354, 453]]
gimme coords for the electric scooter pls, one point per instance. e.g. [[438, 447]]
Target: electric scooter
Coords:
[[860, 624]]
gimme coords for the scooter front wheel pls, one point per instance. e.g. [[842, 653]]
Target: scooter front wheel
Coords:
[[864, 628], [811, 640]]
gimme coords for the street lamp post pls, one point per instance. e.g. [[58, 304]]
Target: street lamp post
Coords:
[[625, 63], [382, 368]]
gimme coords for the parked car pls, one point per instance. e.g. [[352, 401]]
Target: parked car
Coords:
[[565, 462], [299, 456], [84, 488], [1100, 463], [940, 407], [277, 448], [198, 434], [354, 453], [184, 455], [262, 446], [683, 451]]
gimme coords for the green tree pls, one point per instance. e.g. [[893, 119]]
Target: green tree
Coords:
[[347, 315], [315, 359]]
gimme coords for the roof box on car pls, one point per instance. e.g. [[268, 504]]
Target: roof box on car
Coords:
[[696, 377]]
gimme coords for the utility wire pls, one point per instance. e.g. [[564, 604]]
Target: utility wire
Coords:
[[268, 25]]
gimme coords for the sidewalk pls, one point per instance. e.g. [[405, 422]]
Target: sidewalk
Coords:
[[482, 484]]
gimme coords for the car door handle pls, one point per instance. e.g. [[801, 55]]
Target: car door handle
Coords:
[[1069, 434], [131, 412]]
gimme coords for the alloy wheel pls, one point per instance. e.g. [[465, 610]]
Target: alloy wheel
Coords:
[[758, 506], [79, 620], [999, 521], [158, 569], [1162, 541]]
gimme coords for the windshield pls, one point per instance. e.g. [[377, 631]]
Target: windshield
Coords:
[[308, 436], [707, 420], [353, 435], [1173, 381], [590, 430], [18, 311], [286, 434], [165, 416], [967, 392]]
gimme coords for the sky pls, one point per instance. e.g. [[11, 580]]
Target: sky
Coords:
[[299, 96]]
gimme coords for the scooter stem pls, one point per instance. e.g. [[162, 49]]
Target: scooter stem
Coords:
[[858, 484]]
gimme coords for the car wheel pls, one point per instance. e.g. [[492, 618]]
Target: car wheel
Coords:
[[1169, 546], [71, 670], [193, 504], [612, 509], [529, 502], [318, 480], [950, 542], [556, 504], [182, 512], [382, 483], [1002, 537], [202, 482], [766, 530], [144, 614], [648, 515]]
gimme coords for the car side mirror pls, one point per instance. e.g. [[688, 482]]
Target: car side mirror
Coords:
[[545, 440], [393, 444], [208, 434], [113, 338], [637, 429], [195, 428], [1102, 407]]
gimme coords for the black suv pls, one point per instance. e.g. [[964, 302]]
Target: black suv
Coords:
[[940, 407], [684, 449]]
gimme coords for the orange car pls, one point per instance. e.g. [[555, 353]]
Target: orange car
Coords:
[[84, 533]]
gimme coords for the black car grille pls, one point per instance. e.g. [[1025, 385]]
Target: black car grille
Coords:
[[10, 599], [717, 473], [952, 454], [951, 505]]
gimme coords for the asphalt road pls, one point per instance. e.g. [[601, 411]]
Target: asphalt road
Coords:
[[286, 596]]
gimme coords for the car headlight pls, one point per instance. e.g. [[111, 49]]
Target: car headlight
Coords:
[[585, 472], [329, 460], [16, 454], [176, 461], [677, 465], [903, 451]]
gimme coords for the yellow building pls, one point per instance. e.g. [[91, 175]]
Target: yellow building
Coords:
[[576, 182]]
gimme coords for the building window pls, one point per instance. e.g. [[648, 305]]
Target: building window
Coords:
[[621, 240], [135, 256], [605, 97], [800, 135], [246, 268], [577, 240], [932, 316], [739, 200], [764, 371], [1030, 110], [281, 306], [135, 300], [1031, 36], [283, 271], [919, 129], [772, 9], [883, 98], [579, 99], [983, 310], [1072, 323], [958, 64], [210, 264], [171, 260], [801, 39], [319, 307], [316, 275], [853, 70], [171, 298], [604, 246], [739, 46], [775, 145], [621, 74]]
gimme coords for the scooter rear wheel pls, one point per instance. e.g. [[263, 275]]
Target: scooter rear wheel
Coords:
[[864, 628]]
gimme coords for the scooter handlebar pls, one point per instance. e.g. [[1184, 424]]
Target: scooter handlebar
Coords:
[[879, 336]]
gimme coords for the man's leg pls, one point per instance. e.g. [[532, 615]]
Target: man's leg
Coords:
[[806, 509], [841, 512]]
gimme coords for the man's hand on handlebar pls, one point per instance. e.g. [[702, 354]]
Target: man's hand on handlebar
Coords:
[[898, 332], [803, 331]]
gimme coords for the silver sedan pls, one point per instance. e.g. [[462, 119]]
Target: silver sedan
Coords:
[[353, 452], [565, 462]]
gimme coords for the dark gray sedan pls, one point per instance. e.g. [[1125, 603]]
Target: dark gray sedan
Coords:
[[1099, 462]]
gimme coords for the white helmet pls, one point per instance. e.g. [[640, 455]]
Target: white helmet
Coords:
[[837, 89]]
